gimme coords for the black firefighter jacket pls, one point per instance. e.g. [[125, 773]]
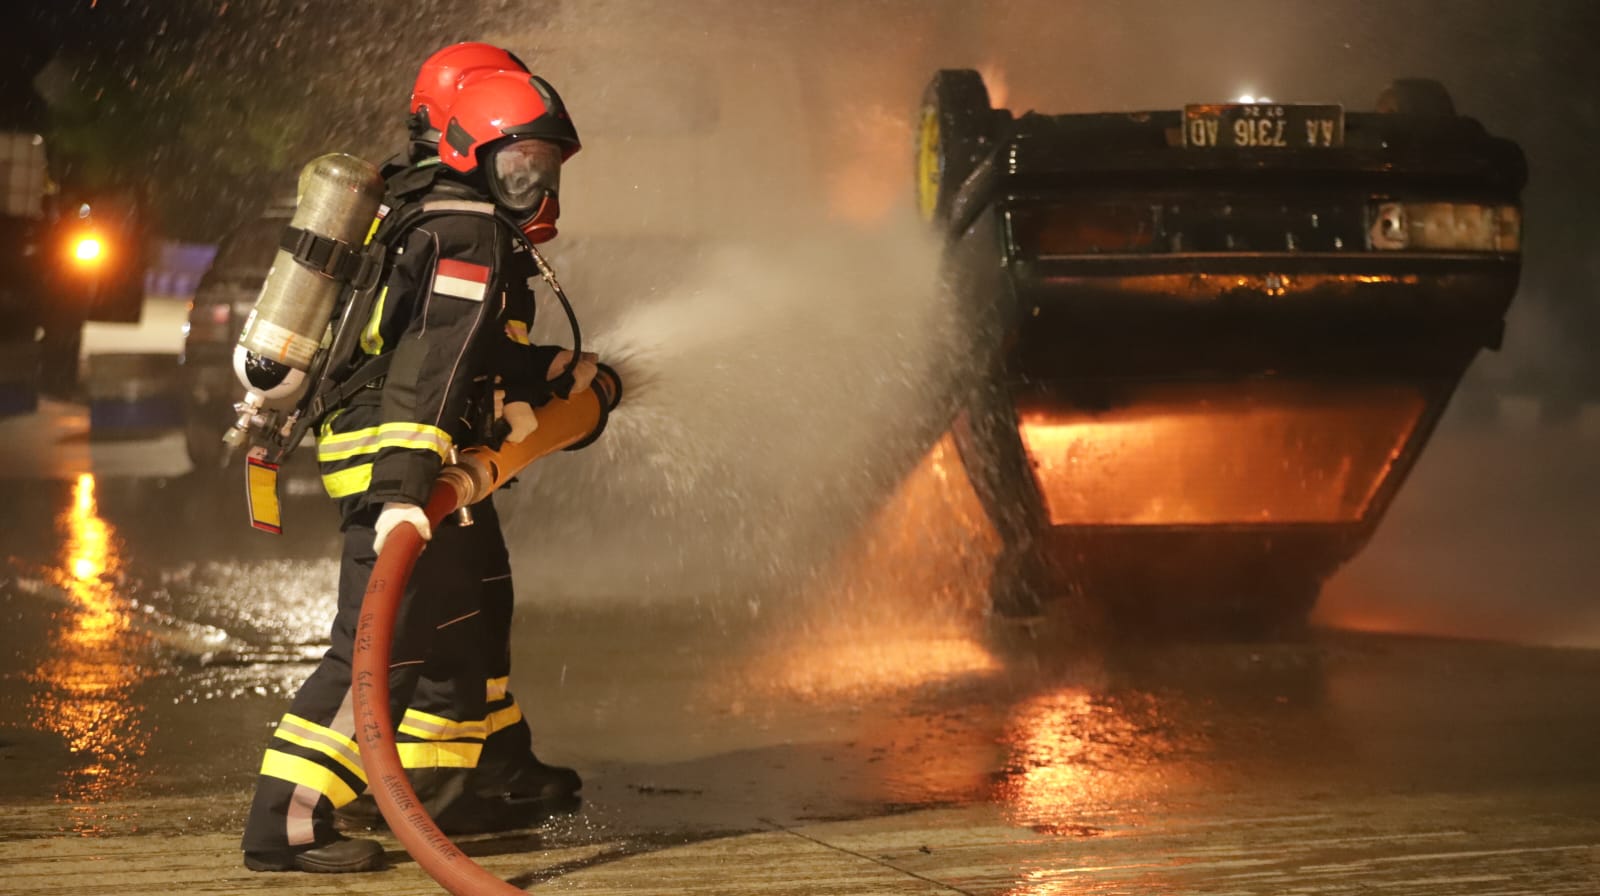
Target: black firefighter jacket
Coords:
[[455, 309]]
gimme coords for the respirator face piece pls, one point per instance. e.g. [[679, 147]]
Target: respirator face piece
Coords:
[[524, 178], [523, 172]]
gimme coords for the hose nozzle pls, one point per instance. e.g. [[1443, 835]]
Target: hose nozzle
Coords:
[[563, 423]]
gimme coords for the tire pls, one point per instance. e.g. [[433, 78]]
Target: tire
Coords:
[[954, 131], [1416, 96]]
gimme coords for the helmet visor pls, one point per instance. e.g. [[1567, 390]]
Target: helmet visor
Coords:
[[523, 172]]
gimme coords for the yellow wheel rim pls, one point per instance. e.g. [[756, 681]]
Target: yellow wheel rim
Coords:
[[928, 167]]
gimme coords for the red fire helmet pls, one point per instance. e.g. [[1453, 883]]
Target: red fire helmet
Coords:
[[492, 107], [440, 75]]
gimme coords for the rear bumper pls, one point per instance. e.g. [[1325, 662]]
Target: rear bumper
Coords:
[[1175, 316], [1167, 567]]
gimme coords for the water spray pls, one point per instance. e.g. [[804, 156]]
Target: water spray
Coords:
[[477, 472]]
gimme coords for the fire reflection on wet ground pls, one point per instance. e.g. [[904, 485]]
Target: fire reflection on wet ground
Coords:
[[1072, 753], [95, 660], [899, 626]]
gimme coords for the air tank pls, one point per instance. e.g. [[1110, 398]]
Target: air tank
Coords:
[[338, 198]]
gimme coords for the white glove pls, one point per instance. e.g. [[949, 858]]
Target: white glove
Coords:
[[518, 414], [393, 515], [582, 373]]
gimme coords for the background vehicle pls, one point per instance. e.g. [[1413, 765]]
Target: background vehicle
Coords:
[[223, 298], [63, 261], [1218, 338]]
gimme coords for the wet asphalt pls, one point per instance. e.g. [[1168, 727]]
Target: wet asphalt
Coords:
[[150, 641]]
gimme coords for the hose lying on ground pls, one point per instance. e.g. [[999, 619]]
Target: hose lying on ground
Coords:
[[472, 478]]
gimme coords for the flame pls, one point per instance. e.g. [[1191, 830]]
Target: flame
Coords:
[[932, 539], [898, 611], [871, 175], [994, 78], [1198, 454]]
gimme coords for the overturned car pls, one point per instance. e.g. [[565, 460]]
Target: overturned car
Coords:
[[1217, 338]]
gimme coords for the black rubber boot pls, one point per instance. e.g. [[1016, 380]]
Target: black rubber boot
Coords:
[[436, 788], [496, 797], [527, 779], [505, 796], [341, 856]]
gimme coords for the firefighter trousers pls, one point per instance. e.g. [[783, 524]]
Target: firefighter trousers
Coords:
[[449, 667]]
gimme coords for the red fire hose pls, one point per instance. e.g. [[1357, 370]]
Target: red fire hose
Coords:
[[472, 478]]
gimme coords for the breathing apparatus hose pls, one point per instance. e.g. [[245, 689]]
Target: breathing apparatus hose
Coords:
[[477, 473]]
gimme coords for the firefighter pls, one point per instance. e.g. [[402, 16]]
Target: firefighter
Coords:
[[455, 310], [509, 786]]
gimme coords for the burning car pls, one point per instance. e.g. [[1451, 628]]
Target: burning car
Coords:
[[1215, 339]]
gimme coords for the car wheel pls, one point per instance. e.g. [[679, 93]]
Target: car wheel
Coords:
[[1416, 96], [954, 130]]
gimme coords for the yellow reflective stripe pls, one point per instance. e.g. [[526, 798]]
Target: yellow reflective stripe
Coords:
[[517, 331], [418, 436], [310, 744], [302, 771], [322, 739], [495, 688], [349, 482], [344, 445], [376, 220], [431, 727], [372, 334], [501, 719], [454, 754]]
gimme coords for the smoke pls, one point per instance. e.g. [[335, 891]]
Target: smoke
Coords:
[[735, 235], [1492, 537], [774, 395]]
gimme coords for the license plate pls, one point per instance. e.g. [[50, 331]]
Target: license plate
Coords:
[[1263, 126]]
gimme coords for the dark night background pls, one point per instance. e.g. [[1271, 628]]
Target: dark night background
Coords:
[[201, 107]]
